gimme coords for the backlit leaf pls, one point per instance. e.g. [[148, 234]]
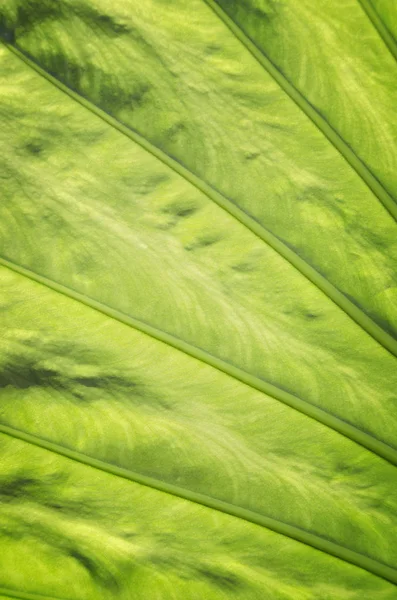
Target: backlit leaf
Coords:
[[199, 300]]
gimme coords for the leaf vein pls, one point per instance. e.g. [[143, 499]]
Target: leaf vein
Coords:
[[315, 541], [380, 26], [306, 270], [311, 112], [20, 595], [327, 419]]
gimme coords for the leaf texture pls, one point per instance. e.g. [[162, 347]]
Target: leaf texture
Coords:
[[198, 372]]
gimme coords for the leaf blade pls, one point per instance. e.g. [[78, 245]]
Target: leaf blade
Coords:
[[82, 383], [263, 209], [123, 425]]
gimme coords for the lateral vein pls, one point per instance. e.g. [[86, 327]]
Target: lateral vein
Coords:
[[380, 26], [329, 420], [329, 132], [21, 595], [315, 541], [379, 334]]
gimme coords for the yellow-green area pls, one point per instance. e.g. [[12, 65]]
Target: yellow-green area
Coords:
[[175, 73], [335, 57], [198, 302], [87, 534], [384, 15]]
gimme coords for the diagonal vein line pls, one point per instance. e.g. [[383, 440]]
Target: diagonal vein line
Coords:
[[315, 541], [25, 595], [333, 293], [329, 420], [330, 133], [380, 26]]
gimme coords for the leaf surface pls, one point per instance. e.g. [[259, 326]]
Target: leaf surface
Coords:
[[198, 292]]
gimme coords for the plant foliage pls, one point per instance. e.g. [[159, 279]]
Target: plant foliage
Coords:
[[198, 293]]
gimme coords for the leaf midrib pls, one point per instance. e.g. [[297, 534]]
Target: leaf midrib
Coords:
[[359, 166], [387, 341], [315, 541], [329, 420]]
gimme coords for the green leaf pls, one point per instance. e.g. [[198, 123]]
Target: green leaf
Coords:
[[198, 272]]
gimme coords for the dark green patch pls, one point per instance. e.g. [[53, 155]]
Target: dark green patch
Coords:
[[34, 147], [185, 212], [138, 94], [203, 242], [225, 581], [33, 12], [311, 316], [112, 26], [23, 374], [95, 382], [180, 210], [7, 33], [110, 96], [96, 570], [251, 155], [17, 487], [213, 49], [175, 130], [54, 506], [86, 562], [244, 267]]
